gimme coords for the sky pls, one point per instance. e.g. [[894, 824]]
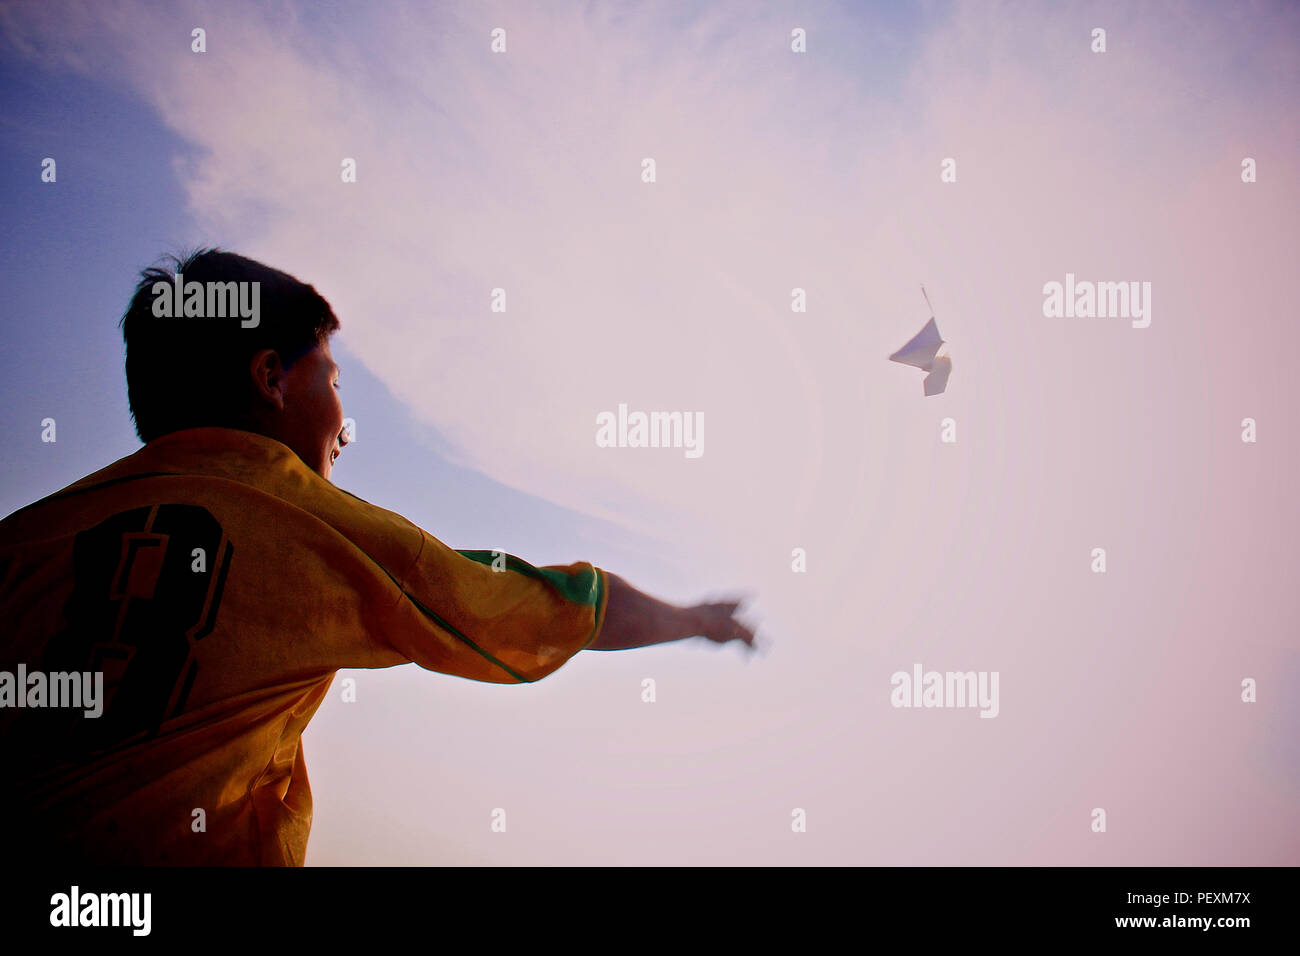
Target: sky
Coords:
[[774, 170]]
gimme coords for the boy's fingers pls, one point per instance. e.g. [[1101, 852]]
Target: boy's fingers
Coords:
[[724, 627], [739, 630]]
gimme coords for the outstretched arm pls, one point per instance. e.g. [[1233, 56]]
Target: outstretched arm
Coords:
[[635, 619]]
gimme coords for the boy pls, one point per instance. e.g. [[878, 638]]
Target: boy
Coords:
[[174, 620]]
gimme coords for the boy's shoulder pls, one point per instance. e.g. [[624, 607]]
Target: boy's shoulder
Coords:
[[211, 452]]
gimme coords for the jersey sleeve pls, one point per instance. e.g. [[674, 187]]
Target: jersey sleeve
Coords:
[[490, 616]]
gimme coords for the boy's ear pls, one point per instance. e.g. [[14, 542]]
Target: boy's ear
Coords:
[[267, 373]]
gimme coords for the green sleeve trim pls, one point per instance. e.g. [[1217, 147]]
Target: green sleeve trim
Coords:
[[583, 587], [596, 596], [602, 586]]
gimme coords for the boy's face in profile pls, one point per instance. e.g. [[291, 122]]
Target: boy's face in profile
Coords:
[[312, 417]]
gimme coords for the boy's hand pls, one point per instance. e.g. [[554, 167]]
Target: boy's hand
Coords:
[[634, 619], [717, 622]]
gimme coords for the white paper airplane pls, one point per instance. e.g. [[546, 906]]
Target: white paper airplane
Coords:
[[921, 351]]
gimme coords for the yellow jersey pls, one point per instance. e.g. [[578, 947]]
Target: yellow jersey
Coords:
[[216, 584]]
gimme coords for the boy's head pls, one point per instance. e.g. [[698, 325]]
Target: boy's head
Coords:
[[273, 375]]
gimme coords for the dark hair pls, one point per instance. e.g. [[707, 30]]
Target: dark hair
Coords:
[[192, 372]]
